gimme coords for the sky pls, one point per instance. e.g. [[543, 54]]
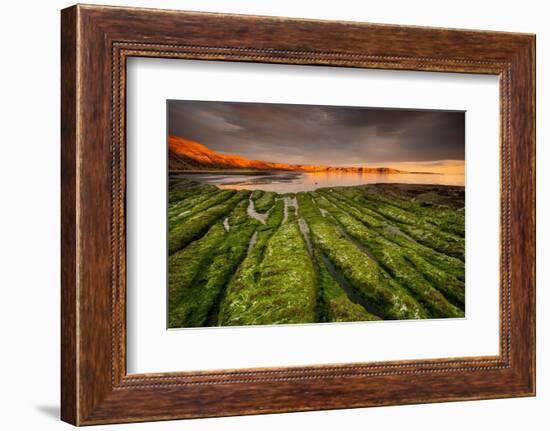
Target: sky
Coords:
[[426, 140]]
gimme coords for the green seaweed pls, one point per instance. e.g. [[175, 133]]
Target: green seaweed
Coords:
[[194, 302], [182, 233], [276, 282], [338, 254], [372, 282], [333, 302], [395, 261], [264, 202], [196, 205]]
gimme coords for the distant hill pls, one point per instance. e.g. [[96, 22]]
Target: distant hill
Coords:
[[185, 154]]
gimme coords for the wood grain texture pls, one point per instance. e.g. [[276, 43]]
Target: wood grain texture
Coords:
[[69, 397], [96, 41]]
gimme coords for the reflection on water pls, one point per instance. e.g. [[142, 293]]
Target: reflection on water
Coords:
[[283, 182]]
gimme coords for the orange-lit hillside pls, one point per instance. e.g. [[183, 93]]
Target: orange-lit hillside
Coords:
[[190, 155]]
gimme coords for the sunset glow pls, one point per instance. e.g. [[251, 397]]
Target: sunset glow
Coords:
[[404, 139]]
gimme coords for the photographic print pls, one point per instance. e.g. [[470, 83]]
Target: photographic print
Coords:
[[301, 214]]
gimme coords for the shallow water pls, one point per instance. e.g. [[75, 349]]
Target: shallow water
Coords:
[[288, 182], [252, 213]]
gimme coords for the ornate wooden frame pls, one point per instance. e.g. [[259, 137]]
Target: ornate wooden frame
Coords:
[[95, 43]]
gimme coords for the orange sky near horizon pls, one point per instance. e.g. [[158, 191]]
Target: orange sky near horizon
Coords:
[[454, 167]]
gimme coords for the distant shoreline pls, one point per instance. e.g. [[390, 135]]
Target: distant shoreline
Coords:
[[223, 171], [192, 157], [267, 172]]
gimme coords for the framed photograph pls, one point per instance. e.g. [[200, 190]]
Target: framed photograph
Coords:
[[322, 237], [266, 215]]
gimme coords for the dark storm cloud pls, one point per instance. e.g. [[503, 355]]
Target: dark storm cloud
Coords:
[[320, 134]]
